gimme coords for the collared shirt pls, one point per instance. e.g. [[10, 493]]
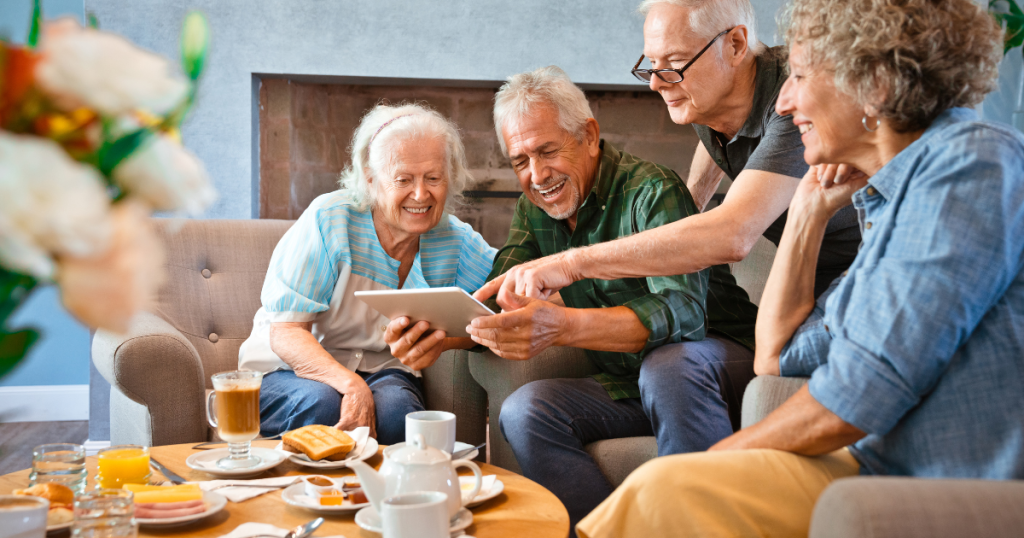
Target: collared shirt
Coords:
[[771, 143], [331, 252], [921, 345], [629, 196]]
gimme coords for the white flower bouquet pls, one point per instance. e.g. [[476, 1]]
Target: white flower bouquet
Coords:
[[89, 148]]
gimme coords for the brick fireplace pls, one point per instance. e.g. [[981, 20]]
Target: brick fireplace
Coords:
[[305, 129]]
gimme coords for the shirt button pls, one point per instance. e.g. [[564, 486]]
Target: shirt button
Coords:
[[213, 337], [872, 191], [383, 328], [207, 273], [358, 354], [867, 225], [826, 327], [602, 208], [845, 272]]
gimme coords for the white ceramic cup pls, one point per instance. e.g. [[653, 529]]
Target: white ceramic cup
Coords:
[[22, 516], [423, 514], [437, 428]]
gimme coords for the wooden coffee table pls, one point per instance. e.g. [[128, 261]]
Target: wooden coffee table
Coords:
[[525, 508]]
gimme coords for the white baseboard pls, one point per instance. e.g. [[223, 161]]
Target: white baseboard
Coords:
[[93, 447], [44, 403]]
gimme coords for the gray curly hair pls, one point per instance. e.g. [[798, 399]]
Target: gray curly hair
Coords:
[[381, 130], [910, 60]]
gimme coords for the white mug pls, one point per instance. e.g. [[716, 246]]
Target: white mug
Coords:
[[423, 514], [22, 516], [437, 428]]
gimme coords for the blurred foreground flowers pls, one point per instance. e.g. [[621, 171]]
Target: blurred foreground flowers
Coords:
[[89, 148]]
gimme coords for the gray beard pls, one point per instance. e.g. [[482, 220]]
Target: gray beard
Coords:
[[574, 203]]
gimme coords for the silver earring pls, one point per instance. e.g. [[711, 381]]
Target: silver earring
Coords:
[[864, 122]]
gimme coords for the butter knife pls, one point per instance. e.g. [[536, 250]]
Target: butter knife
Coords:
[[168, 474]]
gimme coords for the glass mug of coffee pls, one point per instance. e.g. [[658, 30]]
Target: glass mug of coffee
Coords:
[[234, 409]]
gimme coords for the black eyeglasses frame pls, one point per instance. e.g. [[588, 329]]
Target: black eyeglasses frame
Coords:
[[638, 73]]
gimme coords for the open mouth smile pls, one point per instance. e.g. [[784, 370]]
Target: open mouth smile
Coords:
[[552, 192]]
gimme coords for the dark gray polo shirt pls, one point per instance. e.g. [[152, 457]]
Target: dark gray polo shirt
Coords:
[[771, 143]]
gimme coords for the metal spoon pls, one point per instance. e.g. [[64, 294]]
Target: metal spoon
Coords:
[[465, 452], [302, 531]]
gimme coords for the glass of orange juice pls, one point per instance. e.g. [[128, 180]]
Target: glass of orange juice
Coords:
[[122, 464]]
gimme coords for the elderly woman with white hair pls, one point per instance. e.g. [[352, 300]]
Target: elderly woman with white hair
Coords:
[[323, 350], [915, 355]]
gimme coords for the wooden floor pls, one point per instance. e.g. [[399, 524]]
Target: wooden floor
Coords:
[[18, 438]]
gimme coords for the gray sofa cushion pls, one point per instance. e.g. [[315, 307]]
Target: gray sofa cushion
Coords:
[[619, 457]]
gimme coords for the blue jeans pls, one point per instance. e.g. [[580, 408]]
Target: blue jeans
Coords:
[[690, 398], [288, 401]]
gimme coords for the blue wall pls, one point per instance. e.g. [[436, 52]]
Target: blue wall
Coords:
[[62, 356]]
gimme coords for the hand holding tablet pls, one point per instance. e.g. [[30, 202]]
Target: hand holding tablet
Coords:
[[446, 309]]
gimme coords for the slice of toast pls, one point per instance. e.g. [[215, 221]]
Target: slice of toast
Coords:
[[318, 441]]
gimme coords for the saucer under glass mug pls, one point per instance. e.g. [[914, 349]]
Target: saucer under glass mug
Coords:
[[234, 409]]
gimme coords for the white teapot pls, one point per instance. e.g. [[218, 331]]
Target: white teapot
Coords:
[[416, 467]]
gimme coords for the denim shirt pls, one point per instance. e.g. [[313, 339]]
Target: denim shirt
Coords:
[[921, 344]]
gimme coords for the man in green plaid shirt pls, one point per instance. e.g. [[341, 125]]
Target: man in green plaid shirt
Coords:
[[675, 353]]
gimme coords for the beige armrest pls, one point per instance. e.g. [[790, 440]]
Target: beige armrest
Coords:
[[156, 366], [501, 377], [766, 392]]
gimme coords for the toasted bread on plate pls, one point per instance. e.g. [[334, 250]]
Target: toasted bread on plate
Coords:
[[319, 442]]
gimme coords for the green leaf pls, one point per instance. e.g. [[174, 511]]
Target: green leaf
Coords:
[[112, 153], [92, 21], [37, 19], [195, 40], [14, 347], [14, 289]]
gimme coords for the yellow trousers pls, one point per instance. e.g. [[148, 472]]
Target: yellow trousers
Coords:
[[710, 494]]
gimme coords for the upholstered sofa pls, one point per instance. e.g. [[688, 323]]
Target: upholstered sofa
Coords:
[[159, 372]]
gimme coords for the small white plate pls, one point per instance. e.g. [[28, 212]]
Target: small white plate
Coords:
[[481, 498], [458, 446], [215, 502], [206, 461], [368, 452], [59, 527], [368, 519], [295, 495]]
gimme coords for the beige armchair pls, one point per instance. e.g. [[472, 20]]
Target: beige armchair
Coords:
[[160, 370]]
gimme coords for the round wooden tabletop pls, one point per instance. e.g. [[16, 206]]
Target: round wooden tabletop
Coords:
[[525, 508]]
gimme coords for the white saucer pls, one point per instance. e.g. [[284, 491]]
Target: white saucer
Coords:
[[458, 446], [214, 501], [481, 498], [295, 495], [59, 527], [206, 461], [368, 519], [369, 450]]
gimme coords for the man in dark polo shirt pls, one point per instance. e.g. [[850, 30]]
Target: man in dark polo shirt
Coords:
[[713, 74]]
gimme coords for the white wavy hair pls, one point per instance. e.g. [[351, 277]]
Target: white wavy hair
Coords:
[[547, 86], [708, 17], [373, 143]]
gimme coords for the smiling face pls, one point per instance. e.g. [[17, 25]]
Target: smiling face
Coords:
[[555, 170], [411, 191], [669, 43], [829, 120]]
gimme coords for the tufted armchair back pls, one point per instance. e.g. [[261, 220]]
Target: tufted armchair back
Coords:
[[215, 273]]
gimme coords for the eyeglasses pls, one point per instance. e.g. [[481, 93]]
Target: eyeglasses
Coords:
[[672, 76]]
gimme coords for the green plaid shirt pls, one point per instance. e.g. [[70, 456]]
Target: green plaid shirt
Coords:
[[629, 196]]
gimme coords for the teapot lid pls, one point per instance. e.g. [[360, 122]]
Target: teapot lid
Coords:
[[419, 452]]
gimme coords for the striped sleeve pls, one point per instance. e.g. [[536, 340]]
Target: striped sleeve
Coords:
[[475, 260], [303, 272]]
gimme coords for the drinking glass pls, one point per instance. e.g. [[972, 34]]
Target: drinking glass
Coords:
[[234, 409], [122, 464], [63, 463], [105, 513]]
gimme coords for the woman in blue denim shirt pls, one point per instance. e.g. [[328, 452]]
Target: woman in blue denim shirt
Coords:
[[916, 355]]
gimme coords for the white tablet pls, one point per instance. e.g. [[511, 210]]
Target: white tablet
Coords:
[[447, 309]]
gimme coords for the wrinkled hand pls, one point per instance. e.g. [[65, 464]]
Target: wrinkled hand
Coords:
[[418, 347], [816, 197], [538, 279], [525, 328], [357, 410]]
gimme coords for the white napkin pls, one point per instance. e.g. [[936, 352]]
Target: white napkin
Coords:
[[359, 435], [248, 530], [466, 483], [238, 492]]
